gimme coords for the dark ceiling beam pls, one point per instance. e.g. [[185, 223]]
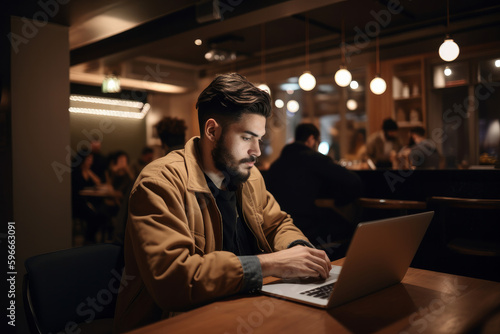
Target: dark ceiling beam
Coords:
[[183, 23], [317, 23], [407, 13]]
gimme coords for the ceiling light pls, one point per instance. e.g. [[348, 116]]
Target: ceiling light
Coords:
[[292, 106], [198, 42], [107, 107], [219, 55], [352, 104], [377, 85], [497, 63], [343, 77], [449, 50], [307, 81], [354, 84], [279, 103], [447, 71], [111, 84], [265, 88]]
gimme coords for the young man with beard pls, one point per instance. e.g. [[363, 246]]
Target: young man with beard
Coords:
[[201, 223]]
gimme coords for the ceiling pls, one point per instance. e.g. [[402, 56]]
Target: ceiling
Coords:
[[133, 37]]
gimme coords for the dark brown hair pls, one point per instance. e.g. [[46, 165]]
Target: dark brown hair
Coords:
[[228, 97]]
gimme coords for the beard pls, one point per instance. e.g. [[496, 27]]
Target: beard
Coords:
[[226, 163]]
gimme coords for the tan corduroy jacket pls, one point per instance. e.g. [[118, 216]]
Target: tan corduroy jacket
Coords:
[[173, 243]]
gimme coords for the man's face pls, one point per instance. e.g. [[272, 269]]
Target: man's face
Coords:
[[391, 134], [238, 147]]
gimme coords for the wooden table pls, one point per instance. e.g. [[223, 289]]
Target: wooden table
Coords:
[[425, 302]]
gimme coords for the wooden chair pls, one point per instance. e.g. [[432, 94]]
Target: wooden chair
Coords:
[[466, 242], [380, 208]]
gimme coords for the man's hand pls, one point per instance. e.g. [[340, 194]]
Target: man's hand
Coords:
[[298, 261]]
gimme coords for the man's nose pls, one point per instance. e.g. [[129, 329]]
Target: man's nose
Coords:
[[255, 149]]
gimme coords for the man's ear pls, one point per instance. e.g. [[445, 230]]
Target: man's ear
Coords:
[[310, 142], [212, 128]]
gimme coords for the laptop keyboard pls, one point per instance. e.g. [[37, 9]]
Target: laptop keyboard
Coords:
[[322, 292]]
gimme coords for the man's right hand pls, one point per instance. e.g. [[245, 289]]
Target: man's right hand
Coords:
[[296, 262]]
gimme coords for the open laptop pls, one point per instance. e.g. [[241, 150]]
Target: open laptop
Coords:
[[378, 256]]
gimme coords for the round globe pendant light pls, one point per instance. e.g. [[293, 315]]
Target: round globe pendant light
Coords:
[[378, 85], [307, 81], [343, 77], [449, 50]]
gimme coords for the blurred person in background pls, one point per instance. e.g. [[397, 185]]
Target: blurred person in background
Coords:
[[87, 209], [145, 158], [172, 133], [100, 162], [382, 146], [301, 175], [420, 153]]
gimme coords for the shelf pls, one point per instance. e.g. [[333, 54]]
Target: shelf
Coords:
[[411, 98]]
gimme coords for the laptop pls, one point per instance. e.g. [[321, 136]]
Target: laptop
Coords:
[[379, 255]]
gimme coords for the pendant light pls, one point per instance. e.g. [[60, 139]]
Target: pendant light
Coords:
[[263, 86], [449, 50], [307, 81], [378, 85], [343, 77]]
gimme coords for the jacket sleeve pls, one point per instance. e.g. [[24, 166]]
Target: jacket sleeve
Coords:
[[176, 274]]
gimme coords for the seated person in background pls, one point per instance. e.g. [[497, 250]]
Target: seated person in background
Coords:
[[382, 146], [301, 175], [119, 175], [421, 153], [100, 162], [357, 146], [172, 133], [89, 209], [145, 158], [201, 224], [119, 179]]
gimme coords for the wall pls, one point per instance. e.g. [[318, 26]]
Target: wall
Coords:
[[181, 106], [115, 133], [40, 136]]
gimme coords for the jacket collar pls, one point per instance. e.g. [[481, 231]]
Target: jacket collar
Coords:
[[195, 177]]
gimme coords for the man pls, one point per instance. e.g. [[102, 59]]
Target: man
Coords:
[[172, 133], [301, 175], [383, 146], [201, 224], [421, 153]]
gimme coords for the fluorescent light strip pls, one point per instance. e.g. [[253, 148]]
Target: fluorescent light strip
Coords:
[[111, 102], [110, 112]]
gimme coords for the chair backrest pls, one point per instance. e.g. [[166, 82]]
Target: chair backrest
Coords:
[[68, 287]]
